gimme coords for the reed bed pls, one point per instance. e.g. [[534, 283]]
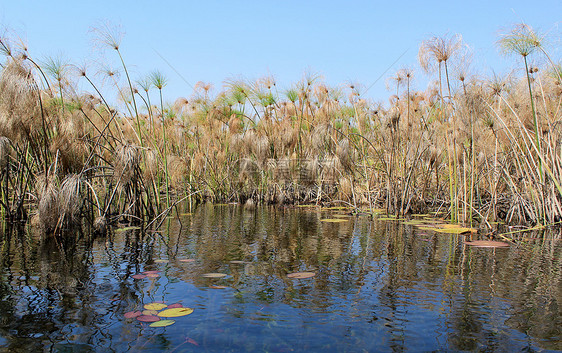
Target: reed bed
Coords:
[[481, 149]]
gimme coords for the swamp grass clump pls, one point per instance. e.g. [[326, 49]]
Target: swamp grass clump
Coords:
[[482, 149]]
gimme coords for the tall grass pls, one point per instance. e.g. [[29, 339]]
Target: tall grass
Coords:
[[486, 150]]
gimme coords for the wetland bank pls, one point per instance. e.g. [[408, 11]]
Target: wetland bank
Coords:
[[179, 195]]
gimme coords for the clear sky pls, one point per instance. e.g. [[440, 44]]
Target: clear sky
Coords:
[[212, 41]]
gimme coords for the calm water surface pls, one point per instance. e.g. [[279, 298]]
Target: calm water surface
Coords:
[[379, 286]]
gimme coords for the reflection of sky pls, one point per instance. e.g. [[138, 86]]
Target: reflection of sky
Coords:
[[384, 289], [212, 41]]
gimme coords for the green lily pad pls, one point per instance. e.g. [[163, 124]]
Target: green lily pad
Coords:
[[333, 220], [162, 323]]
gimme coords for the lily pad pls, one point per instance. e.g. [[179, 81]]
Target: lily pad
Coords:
[[138, 276], [301, 275], [149, 312], [153, 275], [132, 314], [120, 230], [175, 305], [155, 306], [151, 272], [487, 244], [187, 260], [175, 312], [148, 318], [218, 287], [162, 323], [459, 230], [160, 261], [333, 220], [214, 275]]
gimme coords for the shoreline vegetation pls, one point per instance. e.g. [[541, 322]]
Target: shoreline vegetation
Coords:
[[478, 149]]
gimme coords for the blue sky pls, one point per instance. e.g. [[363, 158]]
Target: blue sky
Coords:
[[212, 41]]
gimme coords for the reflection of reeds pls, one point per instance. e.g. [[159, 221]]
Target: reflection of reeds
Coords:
[[483, 148]]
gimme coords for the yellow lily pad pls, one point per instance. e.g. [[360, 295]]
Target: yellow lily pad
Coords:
[[155, 306], [333, 220], [120, 230], [175, 312], [459, 230], [162, 323], [149, 312]]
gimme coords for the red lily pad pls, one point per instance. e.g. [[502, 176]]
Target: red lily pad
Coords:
[[487, 244], [175, 305], [132, 314], [153, 275], [218, 287], [148, 318], [151, 272], [301, 275], [138, 276]]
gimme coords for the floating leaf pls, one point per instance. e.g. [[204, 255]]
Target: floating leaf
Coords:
[[213, 275], [459, 230], [187, 260], [301, 275], [162, 323], [151, 272], [306, 206], [218, 287], [238, 262], [148, 318], [155, 306], [132, 314], [487, 244], [160, 261], [138, 276], [333, 220], [153, 275], [175, 305], [149, 312], [338, 208], [175, 312], [120, 230]]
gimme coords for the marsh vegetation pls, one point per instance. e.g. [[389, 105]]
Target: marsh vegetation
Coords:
[[480, 148]]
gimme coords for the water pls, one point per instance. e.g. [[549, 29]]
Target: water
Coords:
[[379, 286]]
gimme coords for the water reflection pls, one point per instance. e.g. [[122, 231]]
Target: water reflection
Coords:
[[379, 286]]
